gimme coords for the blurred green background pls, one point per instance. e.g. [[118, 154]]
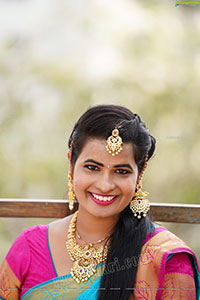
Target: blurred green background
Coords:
[[57, 58]]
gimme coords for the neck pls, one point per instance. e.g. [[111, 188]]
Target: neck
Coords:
[[92, 228]]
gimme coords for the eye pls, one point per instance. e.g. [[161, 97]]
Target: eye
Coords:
[[91, 167], [122, 171]]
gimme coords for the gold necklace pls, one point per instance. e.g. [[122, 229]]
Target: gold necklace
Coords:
[[85, 258], [94, 243]]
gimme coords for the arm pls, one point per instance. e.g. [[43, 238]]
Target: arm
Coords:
[[9, 283], [179, 280], [14, 269]]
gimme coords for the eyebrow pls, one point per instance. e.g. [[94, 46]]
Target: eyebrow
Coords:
[[94, 162], [115, 166], [124, 165]]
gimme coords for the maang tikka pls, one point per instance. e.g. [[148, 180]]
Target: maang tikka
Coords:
[[114, 143], [71, 195], [139, 205]]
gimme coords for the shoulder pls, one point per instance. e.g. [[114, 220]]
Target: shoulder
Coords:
[[165, 253], [26, 238], [164, 238], [35, 231], [59, 227], [38, 234], [161, 244], [19, 255]]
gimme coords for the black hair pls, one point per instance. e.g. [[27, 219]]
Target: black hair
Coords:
[[129, 234]]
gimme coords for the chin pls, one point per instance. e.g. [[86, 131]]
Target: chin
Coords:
[[102, 213]]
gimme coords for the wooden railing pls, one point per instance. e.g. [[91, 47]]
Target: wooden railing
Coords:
[[45, 208]]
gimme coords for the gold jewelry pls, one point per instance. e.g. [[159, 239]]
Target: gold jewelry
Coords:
[[85, 258], [139, 205], [114, 143], [71, 195], [94, 243]]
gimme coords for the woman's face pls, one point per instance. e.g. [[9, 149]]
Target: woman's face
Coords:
[[104, 184]]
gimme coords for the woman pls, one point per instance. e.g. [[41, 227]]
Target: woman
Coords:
[[109, 248]]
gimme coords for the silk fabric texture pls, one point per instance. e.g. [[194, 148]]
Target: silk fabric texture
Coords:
[[168, 269]]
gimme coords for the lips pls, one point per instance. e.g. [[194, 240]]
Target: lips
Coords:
[[103, 199]]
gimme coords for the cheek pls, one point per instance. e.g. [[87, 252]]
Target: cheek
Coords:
[[129, 188], [129, 193], [78, 179], [80, 183]]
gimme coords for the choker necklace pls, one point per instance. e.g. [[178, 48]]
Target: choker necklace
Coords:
[[85, 258]]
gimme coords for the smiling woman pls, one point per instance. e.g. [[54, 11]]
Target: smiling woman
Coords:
[[94, 182], [109, 248]]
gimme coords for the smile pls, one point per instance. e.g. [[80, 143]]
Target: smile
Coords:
[[103, 200]]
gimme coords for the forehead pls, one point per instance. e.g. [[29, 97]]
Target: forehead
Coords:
[[96, 149]]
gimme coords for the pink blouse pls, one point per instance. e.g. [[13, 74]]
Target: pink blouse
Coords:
[[30, 260]]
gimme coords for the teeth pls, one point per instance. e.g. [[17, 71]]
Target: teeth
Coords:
[[101, 198]]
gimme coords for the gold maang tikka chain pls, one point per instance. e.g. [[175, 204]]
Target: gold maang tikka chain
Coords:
[[85, 258]]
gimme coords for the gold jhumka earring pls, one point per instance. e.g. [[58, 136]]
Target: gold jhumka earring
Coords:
[[114, 143], [139, 205], [71, 195]]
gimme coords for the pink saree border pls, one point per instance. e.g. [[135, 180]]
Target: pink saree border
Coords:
[[157, 230], [163, 266]]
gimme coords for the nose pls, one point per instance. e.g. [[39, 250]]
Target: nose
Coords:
[[105, 183]]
